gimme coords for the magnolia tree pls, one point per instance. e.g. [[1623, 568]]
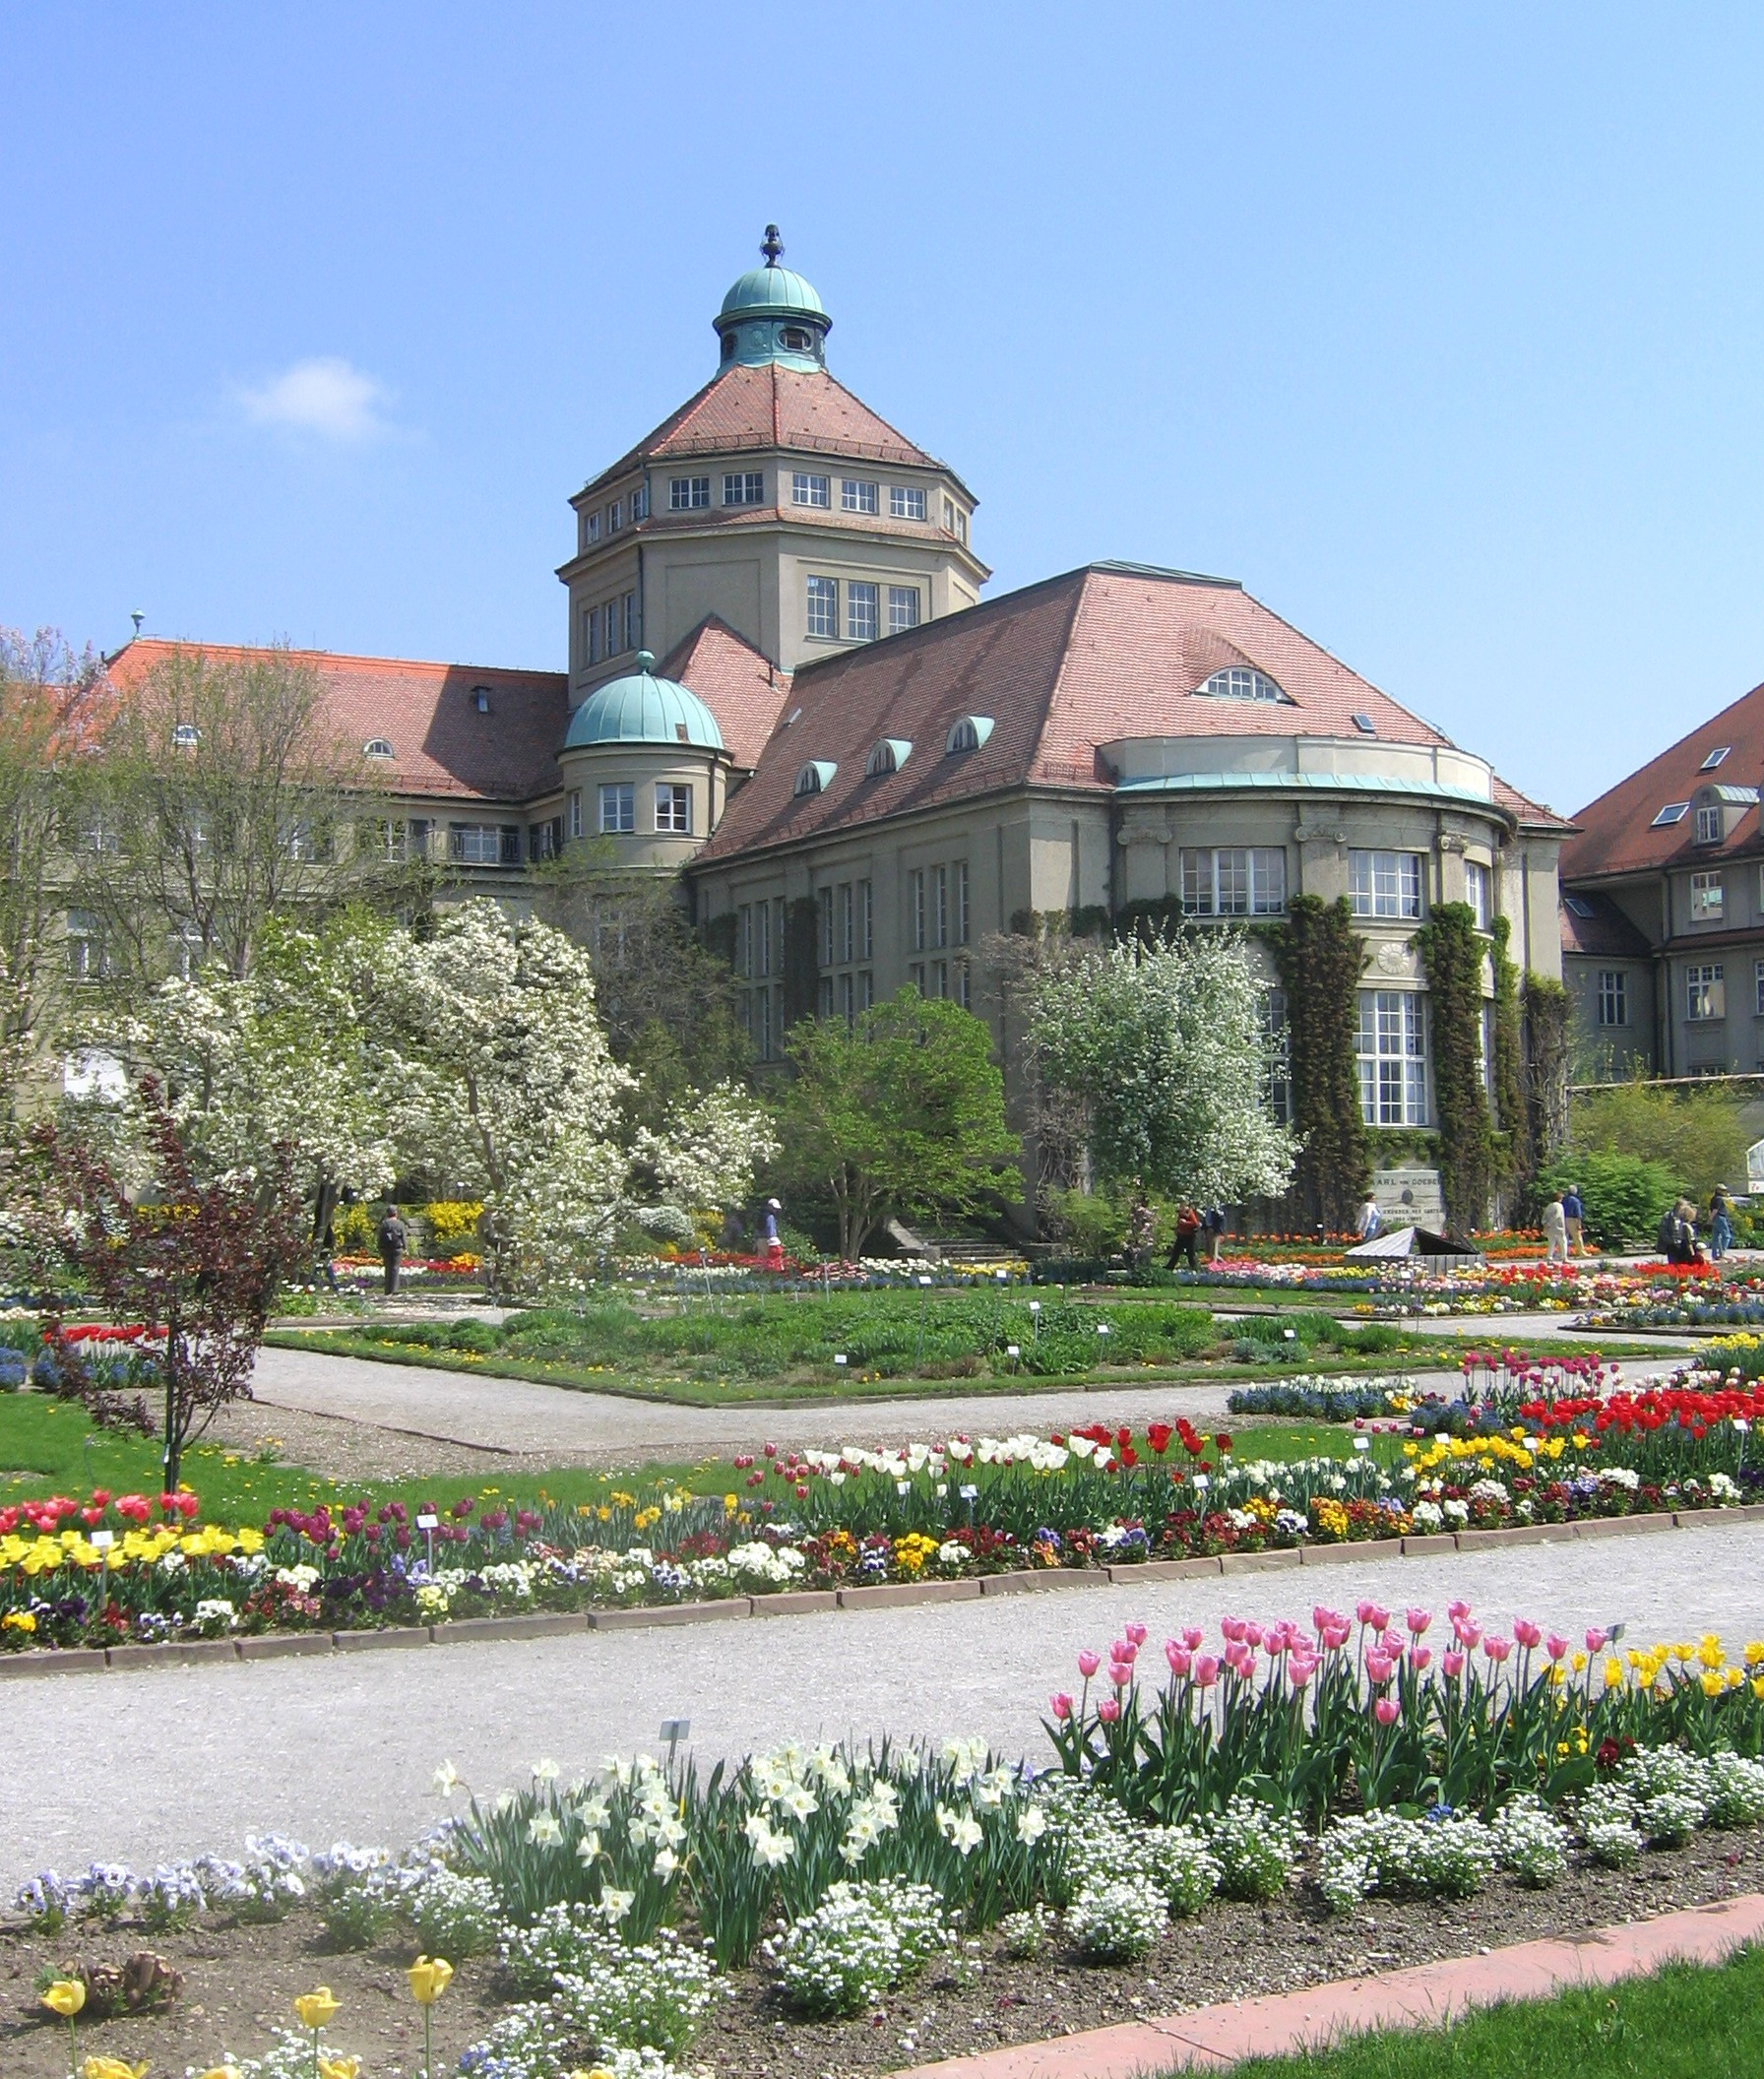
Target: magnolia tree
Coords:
[[1167, 1048]]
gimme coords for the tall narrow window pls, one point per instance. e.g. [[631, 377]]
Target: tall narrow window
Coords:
[[823, 607], [860, 611], [940, 906], [845, 999], [916, 890], [744, 942], [902, 608], [1476, 892], [1392, 1049], [763, 917], [846, 934], [576, 813], [1613, 996], [961, 902], [866, 923], [825, 901], [1705, 992], [1707, 898]]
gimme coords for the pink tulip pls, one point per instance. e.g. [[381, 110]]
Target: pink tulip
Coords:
[[1556, 1648], [1110, 1709], [1457, 1609], [1596, 1640], [1387, 1710], [1323, 1619], [1124, 1650], [1089, 1663], [1497, 1649], [1363, 1612], [1232, 1628], [1422, 1659], [1252, 1635], [1378, 1668], [1120, 1672], [1193, 1637], [1527, 1633], [1300, 1672], [1418, 1621], [1136, 1632], [1179, 1658], [1206, 1670], [1236, 1655], [1061, 1705], [1336, 1636], [1453, 1665], [1273, 1644], [1468, 1635]]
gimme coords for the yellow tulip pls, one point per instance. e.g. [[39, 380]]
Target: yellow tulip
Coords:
[[430, 1978], [1614, 1675], [66, 1997], [112, 2068], [316, 2008], [339, 2069], [597, 2071], [220, 2071]]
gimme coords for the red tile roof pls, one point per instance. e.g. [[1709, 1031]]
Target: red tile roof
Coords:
[[1107, 652], [742, 688], [1602, 931], [1616, 833], [441, 744], [742, 409]]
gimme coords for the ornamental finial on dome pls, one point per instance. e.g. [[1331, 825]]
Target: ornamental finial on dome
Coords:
[[772, 314], [771, 245]]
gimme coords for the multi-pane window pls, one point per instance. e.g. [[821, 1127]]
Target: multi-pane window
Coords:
[[808, 490], [618, 806], [915, 974], [1704, 991], [1385, 883], [762, 1037], [1476, 892], [1706, 901], [1234, 881], [905, 503], [855, 496], [825, 899], [484, 845], [903, 608], [1392, 1050], [824, 997], [866, 923], [1486, 1047], [1757, 986], [961, 871], [591, 636], [866, 990], [964, 986], [940, 906], [612, 621], [673, 807], [576, 813], [86, 960], [744, 487], [590, 529], [940, 980], [845, 999], [860, 613], [615, 516], [762, 916], [823, 606], [688, 495], [630, 604], [1708, 830], [916, 888], [847, 938], [1613, 996], [1277, 1032], [744, 940], [639, 502]]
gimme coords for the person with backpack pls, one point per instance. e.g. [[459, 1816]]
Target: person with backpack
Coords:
[[393, 1237], [1574, 1216], [1212, 1224]]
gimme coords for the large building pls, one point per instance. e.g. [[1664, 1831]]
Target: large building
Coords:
[[1663, 908], [841, 729]]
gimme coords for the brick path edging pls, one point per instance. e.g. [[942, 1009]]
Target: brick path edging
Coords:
[[1209, 2039], [26, 1662]]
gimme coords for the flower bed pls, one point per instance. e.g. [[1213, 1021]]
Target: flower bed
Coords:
[[820, 1519], [647, 1915]]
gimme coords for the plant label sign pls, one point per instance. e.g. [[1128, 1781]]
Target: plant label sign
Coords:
[[1410, 1198]]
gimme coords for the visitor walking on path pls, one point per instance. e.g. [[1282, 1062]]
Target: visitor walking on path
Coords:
[[1213, 1224], [1556, 1229], [1370, 1220], [773, 1244], [1721, 1224], [393, 1237], [1188, 1226], [1575, 1214]]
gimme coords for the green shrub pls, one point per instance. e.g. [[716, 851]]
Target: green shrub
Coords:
[[1623, 1195], [1698, 1135]]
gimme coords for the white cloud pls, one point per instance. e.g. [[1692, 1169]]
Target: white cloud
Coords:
[[323, 395]]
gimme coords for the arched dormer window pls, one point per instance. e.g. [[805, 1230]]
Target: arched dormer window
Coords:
[[376, 747], [967, 734], [814, 777], [888, 756], [185, 736], [1242, 682]]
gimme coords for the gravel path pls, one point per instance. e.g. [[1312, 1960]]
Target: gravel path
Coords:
[[157, 1764]]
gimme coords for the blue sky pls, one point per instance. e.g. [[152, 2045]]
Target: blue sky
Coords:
[[1440, 329]]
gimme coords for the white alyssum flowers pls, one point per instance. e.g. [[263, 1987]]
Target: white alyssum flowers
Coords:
[[861, 1939]]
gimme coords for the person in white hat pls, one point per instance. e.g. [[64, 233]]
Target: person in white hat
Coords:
[[773, 1246]]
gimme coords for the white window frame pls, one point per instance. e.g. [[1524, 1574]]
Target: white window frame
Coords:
[[1709, 823], [1476, 892], [940, 906], [824, 903], [848, 936], [962, 912], [864, 622], [916, 890], [806, 488], [906, 502], [1613, 996], [1708, 898], [1705, 993], [857, 495], [902, 608], [822, 613], [688, 495], [867, 921], [673, 809], [744, 487], [1233, 880], [621, 796], [1385, 884], [1391, 1049], [576, 813]]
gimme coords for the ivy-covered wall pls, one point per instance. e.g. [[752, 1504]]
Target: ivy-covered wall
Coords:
[[1451, 952], [1320, 959], [802, 958]]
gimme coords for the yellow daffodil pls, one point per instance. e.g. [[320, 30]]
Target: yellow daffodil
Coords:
[[66, 1997], [316, 2008], [430, 1978]]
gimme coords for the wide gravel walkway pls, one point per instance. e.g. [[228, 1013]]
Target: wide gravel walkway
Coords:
[[146, 1766]]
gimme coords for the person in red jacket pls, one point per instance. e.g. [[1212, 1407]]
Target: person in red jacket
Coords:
[[1188, 1226]]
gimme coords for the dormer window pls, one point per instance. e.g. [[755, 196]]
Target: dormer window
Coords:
[[1242, 682], [1709, 824], [376, 747], [185, 736], [814, 777], [967, 734], [888, 756], [481, 699]]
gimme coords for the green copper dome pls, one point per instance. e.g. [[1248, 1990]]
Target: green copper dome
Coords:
[[643, 709], [772, 314]]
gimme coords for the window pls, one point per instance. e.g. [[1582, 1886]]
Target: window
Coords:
[[688, 495], [916, 886], [940, 907], [809, 490], [185, 736], [964, 986], [615, 516], [847, 1001], [639, 502], [376, 747], [484, 845], [940, 980], [949, 516], [1234, 881], [866, 991], [856, 498], [1706, 896], [904, 504], [1714, 757], [1757, 987], [968, 735], [1476, 892], [1385, 883], [795, 339], [860, 613], [417, 837], [824, 899], [590, 529], [915, 974], [1672, 812], [1705, 992], [1240, 682], [961, 902], [886, 757], [823, 607], [1277, 1032], [673, 809], [744, 487], [97, 835], [630, 621], [744, 942], [1579, 905], [1709, 823], [302, 839], [815, 777], [86, 961], [903, 608], [762, 1039], [1485, 1048], [1393, 1057], [763, 917], [824, 997], [1366, 724], [609, 629], [867, 924], [1613, 995], [618, 808], [540, 844], [847, 938], [576, 813]]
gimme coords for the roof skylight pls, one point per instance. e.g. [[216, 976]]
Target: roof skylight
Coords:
[[1366, 724], [1714, 757], [376, 747], [1672, 812], [1579, 905]]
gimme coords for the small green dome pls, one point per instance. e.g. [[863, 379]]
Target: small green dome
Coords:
[[772, 314], [643, 709], [771, 291]]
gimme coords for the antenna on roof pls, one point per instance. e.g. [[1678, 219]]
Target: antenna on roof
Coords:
[[771, 245], [137, 617]]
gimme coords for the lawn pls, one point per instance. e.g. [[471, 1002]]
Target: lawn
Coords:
[[50, 1446], [1686, 2022], [776, 1348]]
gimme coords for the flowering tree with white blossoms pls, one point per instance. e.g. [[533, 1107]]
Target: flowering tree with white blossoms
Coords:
[[1167, 1047]]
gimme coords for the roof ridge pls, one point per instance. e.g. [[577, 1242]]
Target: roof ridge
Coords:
[[340, 657], [1342, 664]]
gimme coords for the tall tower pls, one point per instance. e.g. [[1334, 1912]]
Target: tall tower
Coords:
[[773, 500]]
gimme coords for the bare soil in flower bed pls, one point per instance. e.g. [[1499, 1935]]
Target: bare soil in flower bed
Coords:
[[239, 1980]]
